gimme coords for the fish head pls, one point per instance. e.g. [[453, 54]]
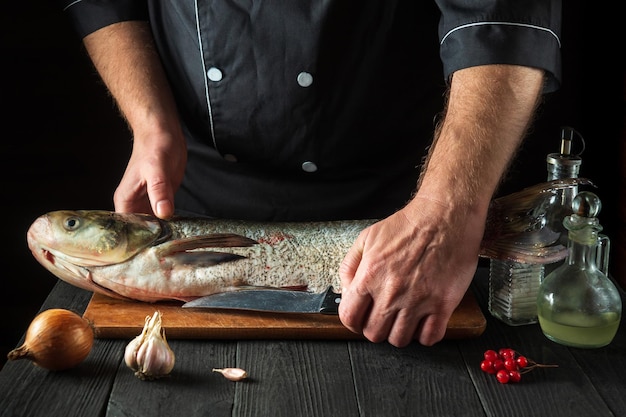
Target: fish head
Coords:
[[69, 242]]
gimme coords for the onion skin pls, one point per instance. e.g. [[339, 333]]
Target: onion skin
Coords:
[[56, 339]]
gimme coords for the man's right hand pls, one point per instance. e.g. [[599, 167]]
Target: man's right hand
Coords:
[[153, 174], [126, 58]]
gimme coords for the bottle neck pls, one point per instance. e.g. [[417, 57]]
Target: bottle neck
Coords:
[[561, 166], [581, 254]]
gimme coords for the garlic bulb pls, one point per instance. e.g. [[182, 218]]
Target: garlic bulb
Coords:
[[148, 354]]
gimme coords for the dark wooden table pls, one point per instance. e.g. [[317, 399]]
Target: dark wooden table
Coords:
[[326, 378]]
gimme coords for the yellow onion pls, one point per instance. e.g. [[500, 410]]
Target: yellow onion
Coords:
[[56, 339]]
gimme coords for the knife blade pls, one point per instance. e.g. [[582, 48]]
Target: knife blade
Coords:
[[278, 301]]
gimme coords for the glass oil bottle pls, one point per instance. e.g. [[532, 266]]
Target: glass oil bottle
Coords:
[[578, 305], [513, 286], [560, 166]]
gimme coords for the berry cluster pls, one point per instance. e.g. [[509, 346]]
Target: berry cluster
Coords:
[[508, 365]]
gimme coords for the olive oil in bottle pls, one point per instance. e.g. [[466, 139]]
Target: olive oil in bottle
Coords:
[[577, 304]]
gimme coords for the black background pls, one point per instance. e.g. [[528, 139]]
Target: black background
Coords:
[[65, 147]]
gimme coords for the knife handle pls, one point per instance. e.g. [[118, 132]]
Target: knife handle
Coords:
[[330, 303]]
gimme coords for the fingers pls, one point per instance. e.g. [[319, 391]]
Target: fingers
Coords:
[[129, 199], [354, 310], [432, 329], [379, 320], [145, 189], [350, 264], [404, 328], [391, 318], [354, 307], [156, 201]]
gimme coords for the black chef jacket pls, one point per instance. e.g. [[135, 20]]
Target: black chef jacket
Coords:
[[320, 109]]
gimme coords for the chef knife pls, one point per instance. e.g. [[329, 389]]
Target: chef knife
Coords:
[[278, 301]]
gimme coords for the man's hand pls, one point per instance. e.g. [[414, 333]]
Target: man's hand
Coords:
[[125, 56], [152, 176], [406, 274]]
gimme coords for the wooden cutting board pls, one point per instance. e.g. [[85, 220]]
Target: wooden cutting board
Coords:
[[118, 319]]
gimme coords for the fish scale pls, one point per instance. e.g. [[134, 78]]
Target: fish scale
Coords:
[[287, 254]]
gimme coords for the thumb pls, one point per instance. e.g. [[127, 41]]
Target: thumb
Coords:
[[350, 264], [161, 196]]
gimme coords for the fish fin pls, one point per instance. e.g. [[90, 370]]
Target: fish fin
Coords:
[[216, 240], [524, 253], [203, 258]]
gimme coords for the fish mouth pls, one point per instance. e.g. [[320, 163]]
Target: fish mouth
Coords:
[[48, 256], [76, 275]]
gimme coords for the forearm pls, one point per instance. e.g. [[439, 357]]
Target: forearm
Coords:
[[125, 57], [406, 274], [489, 111]]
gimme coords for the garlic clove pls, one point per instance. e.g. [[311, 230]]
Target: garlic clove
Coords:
[[155, 358], [130, 353], [233, 374]]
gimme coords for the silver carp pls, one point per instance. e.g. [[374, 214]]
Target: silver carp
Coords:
[[141, 257]]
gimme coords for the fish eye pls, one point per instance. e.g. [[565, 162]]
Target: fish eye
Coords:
[[71, 223]]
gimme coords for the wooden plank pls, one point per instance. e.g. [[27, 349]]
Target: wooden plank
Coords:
[[191, 389], [413, 381], [605, 368], [296, 378], [113, 318]]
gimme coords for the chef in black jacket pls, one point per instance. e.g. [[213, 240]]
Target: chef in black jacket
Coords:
[[401, 110]]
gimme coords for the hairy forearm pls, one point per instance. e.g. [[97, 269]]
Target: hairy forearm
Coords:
[[125, 57], [488, 113]]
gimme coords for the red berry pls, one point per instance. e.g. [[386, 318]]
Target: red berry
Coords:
[[506, 353], [510, 364], [514, 376], [498, 364], [503, 376], [491, 355], [487, 366]]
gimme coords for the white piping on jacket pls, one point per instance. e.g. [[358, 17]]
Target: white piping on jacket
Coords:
[[204, 76], [71, 4], [526, 25]]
